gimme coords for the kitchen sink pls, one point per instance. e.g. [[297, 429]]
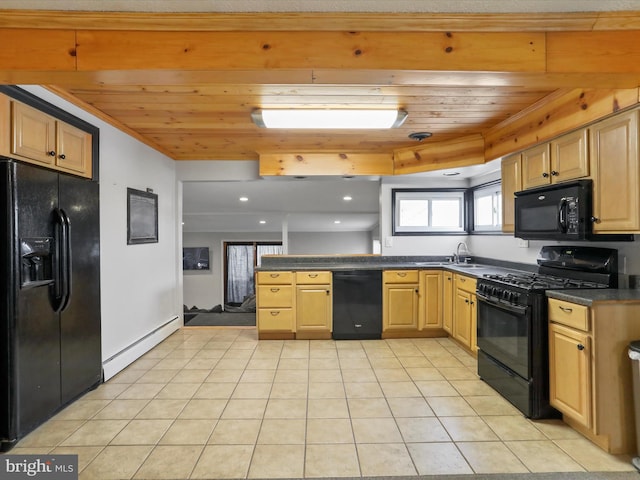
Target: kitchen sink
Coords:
[[466, 265]]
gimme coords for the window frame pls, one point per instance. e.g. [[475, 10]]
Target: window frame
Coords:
[[461, 193], [493, 185]]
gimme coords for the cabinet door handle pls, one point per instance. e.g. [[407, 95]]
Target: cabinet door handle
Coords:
[[580, 347], [545, 175], [565, 309], [402, 274], [275, 313], [417, 291], [471, 303], [328, 292], [313, 275], [274, 290], [466, 301], [62, 156], [274, 275], [595, 220], [554, 173], [52, 153]]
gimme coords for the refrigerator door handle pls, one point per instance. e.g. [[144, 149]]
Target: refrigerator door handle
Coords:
[[63, 261], [66, 271]]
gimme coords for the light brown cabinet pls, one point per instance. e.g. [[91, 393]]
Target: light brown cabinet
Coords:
[[39, 138], [570, 372], [430, 300], [590, 372], [447, 302], [616, 174], [464, 311], [511, 169], [274, 300], [565, 158], [400, 294], [536, 165], [314, 305]]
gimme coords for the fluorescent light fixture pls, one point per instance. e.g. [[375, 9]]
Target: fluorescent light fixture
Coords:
[[347, 198], [244, 199], [328, 118]]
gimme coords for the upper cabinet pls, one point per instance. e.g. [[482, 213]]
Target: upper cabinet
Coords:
[[34, 136], [511, 183], [560, 160], [615, 172], [570, 156]]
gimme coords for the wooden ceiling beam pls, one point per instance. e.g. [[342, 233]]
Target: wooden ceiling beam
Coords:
[[320, 21]]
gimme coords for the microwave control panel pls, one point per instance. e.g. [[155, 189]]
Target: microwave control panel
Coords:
[[573, 214]]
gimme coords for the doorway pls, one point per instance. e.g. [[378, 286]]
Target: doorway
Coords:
[[240, 261]]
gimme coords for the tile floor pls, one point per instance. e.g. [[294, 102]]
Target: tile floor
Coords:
[[217, 403]]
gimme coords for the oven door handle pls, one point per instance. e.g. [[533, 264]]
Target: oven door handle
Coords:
[[518, 309]]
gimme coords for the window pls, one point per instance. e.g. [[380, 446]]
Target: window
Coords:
[[420, 211], [487, 208]]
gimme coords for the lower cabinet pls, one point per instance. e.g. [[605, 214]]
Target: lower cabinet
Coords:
[[590, 379], [314, 305], [570, 372], [294, 304], [400, 296], [430, 300], [464, 311], [274, 299], [447, 302]]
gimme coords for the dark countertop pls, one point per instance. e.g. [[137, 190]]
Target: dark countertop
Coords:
[[590, 296], [477, 267]]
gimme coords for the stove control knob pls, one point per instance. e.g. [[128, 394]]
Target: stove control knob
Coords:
[[514, 297], [506, 295]]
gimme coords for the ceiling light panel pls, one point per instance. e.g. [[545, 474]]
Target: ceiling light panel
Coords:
[[328, 119]]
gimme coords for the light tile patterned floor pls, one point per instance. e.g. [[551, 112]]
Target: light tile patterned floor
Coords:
[[217, 403]]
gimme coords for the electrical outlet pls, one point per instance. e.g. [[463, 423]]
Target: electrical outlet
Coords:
[[523, 243], [388, 242]]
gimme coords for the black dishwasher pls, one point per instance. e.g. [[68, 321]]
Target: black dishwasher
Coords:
[[357, 304]]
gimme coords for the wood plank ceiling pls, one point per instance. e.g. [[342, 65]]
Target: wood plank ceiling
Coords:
[[187, 83]]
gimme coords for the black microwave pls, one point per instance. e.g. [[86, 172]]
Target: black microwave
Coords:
[[556, 212]]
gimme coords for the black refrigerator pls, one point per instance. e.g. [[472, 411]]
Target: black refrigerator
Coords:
[[50, 347]]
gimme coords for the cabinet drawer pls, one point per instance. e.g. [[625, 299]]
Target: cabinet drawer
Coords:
[[274, 278], [270, 296], [468, 284], [313, 278], [275, 319], [569, 314], [400, 276]]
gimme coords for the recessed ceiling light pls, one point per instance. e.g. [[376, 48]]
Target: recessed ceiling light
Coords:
[[336, 221], [347, 198], [419, 136], [263, 221], [244, 199]]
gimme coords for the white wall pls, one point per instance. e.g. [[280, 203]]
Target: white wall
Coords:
[[140, 284], [329, 243]]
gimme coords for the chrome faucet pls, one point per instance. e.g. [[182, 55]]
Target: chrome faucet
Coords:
[[456, 255]]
